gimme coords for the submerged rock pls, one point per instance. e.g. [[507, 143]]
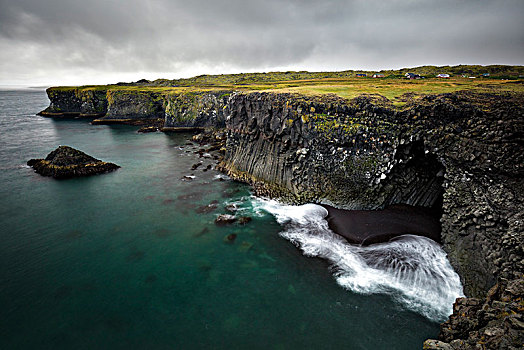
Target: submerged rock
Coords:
[[230, 238], [206, 208], [244, 220], [66, 162]]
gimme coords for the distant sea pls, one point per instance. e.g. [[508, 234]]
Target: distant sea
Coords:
[[133, 260]]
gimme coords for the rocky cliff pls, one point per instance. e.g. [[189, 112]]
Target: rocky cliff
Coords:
[[493, 322], [76, 102], [461, 154], [132, 105]]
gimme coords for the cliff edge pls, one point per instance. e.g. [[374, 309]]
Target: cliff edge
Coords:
[[460, 154]]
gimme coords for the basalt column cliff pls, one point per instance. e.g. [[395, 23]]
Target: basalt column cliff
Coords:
[[461, 154]]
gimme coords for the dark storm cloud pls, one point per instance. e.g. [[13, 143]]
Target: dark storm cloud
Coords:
[[53, 37]]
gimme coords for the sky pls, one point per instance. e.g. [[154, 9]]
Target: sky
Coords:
[[76, 42]]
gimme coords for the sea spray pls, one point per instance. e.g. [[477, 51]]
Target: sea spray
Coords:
[[414, 270]]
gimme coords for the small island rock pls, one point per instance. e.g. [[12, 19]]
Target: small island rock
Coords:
[[67, 162]]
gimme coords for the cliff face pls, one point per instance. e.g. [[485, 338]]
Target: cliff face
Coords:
[[75, 101], [196, 109], [180, 109], [461, 154]]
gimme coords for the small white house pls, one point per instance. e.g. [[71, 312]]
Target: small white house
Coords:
[[443, 76]]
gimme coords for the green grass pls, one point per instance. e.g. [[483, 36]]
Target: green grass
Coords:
[[344, 84]]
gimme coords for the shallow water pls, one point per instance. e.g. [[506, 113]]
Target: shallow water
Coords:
[[123, 260]]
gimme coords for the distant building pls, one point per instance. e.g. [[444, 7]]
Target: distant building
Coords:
[[378, 75], [443, 76], [412, 76], [485, 75], [361, 75]]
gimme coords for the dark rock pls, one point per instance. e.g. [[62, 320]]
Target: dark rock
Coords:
[[195, 166], [230, 238], [244, 220], [67, 162], [206, 208], [232, 208], [147, 129], [225, 219], [494, 322]]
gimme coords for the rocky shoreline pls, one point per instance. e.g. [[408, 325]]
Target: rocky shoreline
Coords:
[[458, 155], [493, 322]]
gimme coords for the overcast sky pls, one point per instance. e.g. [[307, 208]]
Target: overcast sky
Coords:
[[50, 42]]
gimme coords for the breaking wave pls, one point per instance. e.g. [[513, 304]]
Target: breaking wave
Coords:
[[414, 270]]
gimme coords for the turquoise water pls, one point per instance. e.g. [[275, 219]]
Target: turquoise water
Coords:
[[123, 260]]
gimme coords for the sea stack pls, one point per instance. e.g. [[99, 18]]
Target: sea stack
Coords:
[[66, 162]]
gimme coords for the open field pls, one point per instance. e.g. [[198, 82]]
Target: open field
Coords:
[[345, 84]]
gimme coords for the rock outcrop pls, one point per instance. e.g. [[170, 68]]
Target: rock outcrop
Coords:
[[494, 322], [67, 162], [72, 101], [150, 107], [460, 154]]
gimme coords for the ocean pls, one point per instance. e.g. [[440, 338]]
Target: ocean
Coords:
[[133, 259]]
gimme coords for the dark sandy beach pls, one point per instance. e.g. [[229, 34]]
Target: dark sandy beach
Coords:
[[375, 226]]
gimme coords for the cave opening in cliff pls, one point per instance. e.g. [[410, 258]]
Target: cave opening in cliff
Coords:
[[418, 178]]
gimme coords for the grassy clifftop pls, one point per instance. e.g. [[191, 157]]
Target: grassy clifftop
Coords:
[[345, 84]]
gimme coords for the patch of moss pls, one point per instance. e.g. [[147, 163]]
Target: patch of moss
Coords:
[[330, 125]]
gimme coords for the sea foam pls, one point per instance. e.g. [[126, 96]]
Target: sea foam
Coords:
[[414, 270]]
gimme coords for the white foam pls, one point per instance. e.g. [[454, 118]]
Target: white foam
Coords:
[[221, 176], [413, 270]]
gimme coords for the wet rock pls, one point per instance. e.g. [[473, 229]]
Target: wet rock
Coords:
[[494, 322], [147, 129], [230, 238], [244, 220], [195, 166], [67, 162], [232, 208], [225, 219], [207, 208], [432, 344]]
